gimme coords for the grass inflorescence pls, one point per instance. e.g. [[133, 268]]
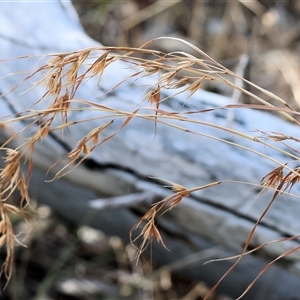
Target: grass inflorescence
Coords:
[[62, 75]]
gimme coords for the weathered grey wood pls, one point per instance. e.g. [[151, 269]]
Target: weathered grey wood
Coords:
[[221, 216]]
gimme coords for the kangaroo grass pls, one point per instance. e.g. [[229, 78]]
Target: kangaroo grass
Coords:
[[62, 75]]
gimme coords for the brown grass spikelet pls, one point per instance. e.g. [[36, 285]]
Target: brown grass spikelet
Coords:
[[11, 180], [55, 61], [150, 230], [93, 135], [168, 77], [23, 189], [7, 238], [62, 104], [195, 86], [72, 73], [152, 69], [85, 146], [291, 179], [76, 60], [272, 179], [9, 175], [75, 154], [82, 146], [172, 201], [275, 180], [177, 84], [154, 96], [98, 66], [42, 132], [54, 83]]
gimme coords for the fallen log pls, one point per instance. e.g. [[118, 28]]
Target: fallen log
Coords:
[[125, 168]]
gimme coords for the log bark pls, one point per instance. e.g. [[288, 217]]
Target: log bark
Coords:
[[218, 218]]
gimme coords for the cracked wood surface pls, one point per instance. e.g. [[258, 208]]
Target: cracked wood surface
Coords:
[[220, 217]]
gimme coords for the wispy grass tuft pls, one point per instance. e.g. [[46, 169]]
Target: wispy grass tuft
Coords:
[[180, 72]]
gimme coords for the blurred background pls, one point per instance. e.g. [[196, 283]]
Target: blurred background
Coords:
[[259, 39], [266, 32]]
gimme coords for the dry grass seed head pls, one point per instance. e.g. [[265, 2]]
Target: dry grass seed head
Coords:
[[167, 78], [56, 61], [11, 179], [291, 179], [76, 61], [7, 238], [148, 232], [23, 189], [98, 66], [62, 104], [9, 175], [195, 86], [154, 96], [54, 83], [272, 179], [93, 135], [178, 83], [175, 200], [82, 146], [43, 132], [151, 69]]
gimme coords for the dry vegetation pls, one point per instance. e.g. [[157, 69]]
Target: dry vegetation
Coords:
[[185, 69], [267, 32]]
